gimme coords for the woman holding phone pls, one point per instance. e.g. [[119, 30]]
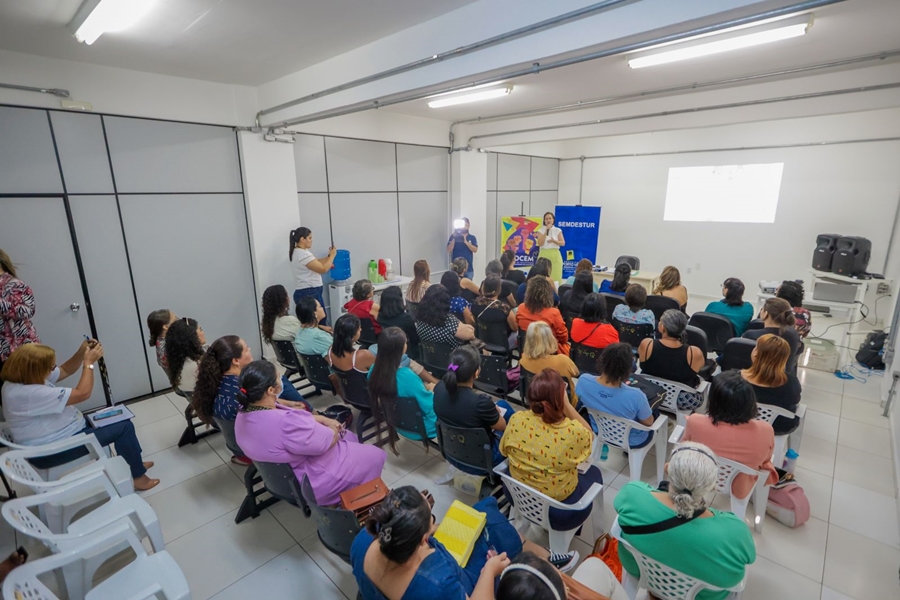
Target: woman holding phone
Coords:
[[308, 269], [550, 238]]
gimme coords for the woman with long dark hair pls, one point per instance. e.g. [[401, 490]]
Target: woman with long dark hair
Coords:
[[277, 324], [732, 305], [421, 281], [308, 269], [459, 306], [312, 337], [778, 318], [185, 345], [314, 445], [344, 354], [435, 322], [571, 301], [158, 324], [389, 380], [510, 273], [620, 280]]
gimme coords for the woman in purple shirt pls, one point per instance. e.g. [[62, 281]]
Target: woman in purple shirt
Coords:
[[316, 446]]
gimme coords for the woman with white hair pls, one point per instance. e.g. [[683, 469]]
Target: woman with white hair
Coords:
[[675, 526]]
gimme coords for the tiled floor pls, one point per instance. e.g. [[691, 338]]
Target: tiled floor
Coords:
[[850, 548]]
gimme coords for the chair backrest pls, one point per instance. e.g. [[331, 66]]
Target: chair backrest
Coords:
[[286, 355], [492, 333], [770, 412], [615, 430], [468, 446], [736, 354], [728, 470], [367, 335], [756, 324], [697, 337], [612, 301], [718, 329], [677, 394], [227, 428], [436, 356], [355, 389], [585, 358], [411, 308], [280, 481], [6, 438], [633, 333], [530, 504], [404, 413], [337, 527], [317, 370], [660, 304], [633, 261], [525, 377], [493, 375]]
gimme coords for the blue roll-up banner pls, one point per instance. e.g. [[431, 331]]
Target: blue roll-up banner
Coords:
[[581, 228]]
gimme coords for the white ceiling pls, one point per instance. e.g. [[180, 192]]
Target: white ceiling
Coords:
[[246, 42], [848, 29]]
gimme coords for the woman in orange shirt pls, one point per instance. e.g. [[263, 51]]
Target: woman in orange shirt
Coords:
[[591, 328], [538, 306], [732, 431]]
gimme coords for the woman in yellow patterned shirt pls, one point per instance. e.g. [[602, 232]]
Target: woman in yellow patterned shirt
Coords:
[[546, 444]]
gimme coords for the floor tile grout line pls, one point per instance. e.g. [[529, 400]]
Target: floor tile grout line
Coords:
[[236, 581]]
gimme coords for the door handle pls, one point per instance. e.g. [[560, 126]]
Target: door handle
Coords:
[[75, 307]]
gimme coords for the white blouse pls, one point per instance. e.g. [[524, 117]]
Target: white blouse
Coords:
[[555, 233]]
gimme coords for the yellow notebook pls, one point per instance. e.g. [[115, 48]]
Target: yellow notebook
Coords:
[[460, 529]]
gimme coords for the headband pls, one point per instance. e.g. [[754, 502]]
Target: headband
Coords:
[[704, 453], [536, 573]]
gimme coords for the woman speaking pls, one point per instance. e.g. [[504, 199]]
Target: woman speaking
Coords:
[[550, 239], [308, 269]]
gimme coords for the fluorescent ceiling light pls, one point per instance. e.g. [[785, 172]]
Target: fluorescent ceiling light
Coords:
[[468, 89], [96, 17], [473, 97], [733, 40]]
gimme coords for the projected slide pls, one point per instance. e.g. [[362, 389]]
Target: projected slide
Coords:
[[728, 193]]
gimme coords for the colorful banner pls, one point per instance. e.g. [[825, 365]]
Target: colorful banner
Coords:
[[581, 228], [517, 234]]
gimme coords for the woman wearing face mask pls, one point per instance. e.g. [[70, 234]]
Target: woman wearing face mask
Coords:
[[308, 269], [551, 239]]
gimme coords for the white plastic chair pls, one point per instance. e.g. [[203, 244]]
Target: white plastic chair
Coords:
[[531, 506], [616, 431], [667, 583], [154, 576], [673, 391], [769, 413], [132, 509], [6, 439], [16, 467]]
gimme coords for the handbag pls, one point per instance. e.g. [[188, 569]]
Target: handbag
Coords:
[[363, 498], [606, 548], [788, 504]]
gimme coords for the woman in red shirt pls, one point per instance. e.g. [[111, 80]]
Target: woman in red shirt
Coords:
[[362, 304], [591, 328], [538, 306]]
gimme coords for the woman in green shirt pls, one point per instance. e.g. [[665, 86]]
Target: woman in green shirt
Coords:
[[732, 306], [388, 380], [709, 545]]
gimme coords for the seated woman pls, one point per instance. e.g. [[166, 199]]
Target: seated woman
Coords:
[[215, 395], [489, 308], [633, 310], [792, 291], [38, 412], [591, 328], [720, 544], [345, 355], [510, 273], [507, 288], [158, 324], [529, 577], [732, 430], [778, 317], [732, 306], [396, 555], [583, 266], [459, 306], [541, 268], [541, 352], [435, 323], [456, 402], [669, 285], [311, 338], [421, 281], [670, 357], [277, 324], [571, 301], [185, 345], [389, 380], [771, 384], [469, 291], [538, 306], [362, 304], [608, 392], [546, 443], [619, 282], [315, 446]]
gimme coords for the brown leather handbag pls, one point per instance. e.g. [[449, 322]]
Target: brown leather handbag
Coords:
[[363, 498]]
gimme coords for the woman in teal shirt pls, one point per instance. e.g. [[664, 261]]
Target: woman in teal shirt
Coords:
[[388, 380], [712, 546], [732, 306]]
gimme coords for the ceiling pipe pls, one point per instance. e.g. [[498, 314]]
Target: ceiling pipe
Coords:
[[678, 88], [538, 68], [55, 91], [568, 17], [696, 109]]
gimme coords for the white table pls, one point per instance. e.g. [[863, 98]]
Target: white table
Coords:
[[648, 279]]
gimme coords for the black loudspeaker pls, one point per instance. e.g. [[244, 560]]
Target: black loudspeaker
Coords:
[[824, 252], [851, 257]]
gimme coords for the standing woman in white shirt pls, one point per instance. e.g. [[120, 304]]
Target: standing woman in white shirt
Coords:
[[550, 239], [308, 269]]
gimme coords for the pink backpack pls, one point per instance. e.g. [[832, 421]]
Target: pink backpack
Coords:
[[789, 505]]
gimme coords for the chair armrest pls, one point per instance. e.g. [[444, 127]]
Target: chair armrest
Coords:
[[502, 468], [586, 500], [801, 410], [76, 441], [702, 387], [659, 423], [675, 438], [76, 476], [120, 529]]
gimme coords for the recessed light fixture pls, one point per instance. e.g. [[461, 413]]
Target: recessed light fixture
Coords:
[[743, 37], [470, 97], [96, 17]]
